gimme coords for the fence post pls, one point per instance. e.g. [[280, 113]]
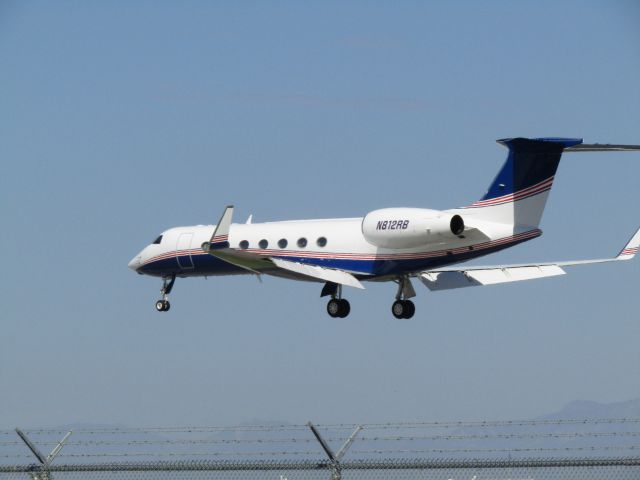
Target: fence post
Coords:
[[334, 459], [43, 472]]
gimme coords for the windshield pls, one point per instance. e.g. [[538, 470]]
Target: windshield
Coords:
[[157, 240]]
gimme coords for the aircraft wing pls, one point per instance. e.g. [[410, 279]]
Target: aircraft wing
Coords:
[[445, 279], [259, 264], [326, 274], [219, 247]]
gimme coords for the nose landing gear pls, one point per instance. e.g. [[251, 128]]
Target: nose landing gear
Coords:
[[163, 305], [167, 284]]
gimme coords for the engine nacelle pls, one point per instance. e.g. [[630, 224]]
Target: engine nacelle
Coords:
[[410, 227]]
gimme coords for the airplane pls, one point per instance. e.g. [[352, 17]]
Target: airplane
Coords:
[[390, 244]]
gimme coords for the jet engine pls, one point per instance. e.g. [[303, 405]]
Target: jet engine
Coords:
[[410, 227]]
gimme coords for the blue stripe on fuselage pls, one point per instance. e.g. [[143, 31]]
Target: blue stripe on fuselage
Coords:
[[373, 268], [204, 264]]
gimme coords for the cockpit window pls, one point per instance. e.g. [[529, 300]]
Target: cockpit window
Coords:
[[157, 240]]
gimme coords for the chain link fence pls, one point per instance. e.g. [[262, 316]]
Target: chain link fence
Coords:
[[556, 449], [535, 469]]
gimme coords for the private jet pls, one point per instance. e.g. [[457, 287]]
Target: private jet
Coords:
[[387, 245]]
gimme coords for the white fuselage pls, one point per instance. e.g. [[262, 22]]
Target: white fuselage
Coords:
[[331, 243]]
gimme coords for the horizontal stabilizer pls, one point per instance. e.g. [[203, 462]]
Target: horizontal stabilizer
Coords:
[[602, 147], [321, 273]]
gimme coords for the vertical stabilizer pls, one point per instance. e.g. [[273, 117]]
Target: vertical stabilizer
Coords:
[[519, 192]]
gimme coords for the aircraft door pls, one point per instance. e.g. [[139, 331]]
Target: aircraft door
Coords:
[[182, 250]]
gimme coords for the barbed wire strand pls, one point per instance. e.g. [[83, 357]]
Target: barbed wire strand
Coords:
[[513, 436], [293, 427]]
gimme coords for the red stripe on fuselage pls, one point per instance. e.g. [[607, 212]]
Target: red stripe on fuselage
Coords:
[[359, 256]]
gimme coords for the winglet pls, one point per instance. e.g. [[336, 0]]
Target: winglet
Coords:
[[631, 248], [220, 236]]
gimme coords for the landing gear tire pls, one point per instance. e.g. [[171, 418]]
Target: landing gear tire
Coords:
[[345, 308], [333, 308], [163, 305], [411, 309], [403, 309], [338, 308]]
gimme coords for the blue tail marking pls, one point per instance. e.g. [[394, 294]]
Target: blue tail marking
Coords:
[[530, 161]]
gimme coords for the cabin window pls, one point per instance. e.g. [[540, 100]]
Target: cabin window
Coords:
[[302, 242], [263, 244], [244, 244], [322, 241], [157, 240], [282, 243]]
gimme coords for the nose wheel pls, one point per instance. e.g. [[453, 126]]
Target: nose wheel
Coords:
[[167, 285], [163, 305]]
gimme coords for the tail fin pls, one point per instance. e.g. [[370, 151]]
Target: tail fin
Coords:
[[519, 193]]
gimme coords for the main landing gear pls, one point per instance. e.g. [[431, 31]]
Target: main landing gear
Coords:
[[403, 308], [167, 284], [337, 307]]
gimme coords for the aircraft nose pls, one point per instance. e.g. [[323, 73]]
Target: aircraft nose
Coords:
[[135, 263]]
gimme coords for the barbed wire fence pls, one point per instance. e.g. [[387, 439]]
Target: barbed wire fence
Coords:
[[604, 448]]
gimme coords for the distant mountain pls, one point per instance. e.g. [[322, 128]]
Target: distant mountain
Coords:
[[588, 409]]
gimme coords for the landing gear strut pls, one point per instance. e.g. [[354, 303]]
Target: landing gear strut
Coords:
[[403, 308], [167, 284], [337, 307]]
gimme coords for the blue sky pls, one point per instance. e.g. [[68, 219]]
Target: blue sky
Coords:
[[122, 119]]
